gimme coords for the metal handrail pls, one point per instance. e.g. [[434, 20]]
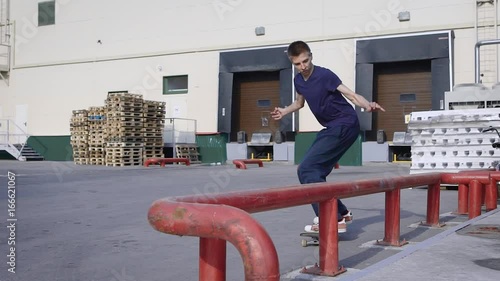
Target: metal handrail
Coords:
[[221, 217], [478, 45], [11, 125]]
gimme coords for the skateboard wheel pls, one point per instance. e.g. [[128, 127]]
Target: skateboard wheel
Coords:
[[304, 243]]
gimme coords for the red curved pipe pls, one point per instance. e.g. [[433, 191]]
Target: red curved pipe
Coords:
[[163, 161], [256, 248], [240, 163], [211, 216]]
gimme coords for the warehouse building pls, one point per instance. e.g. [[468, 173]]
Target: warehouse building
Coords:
[[220, 67]]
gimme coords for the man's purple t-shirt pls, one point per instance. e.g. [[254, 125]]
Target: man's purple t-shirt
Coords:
[[326, 103]]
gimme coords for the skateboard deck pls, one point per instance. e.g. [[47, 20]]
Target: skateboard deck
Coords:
[[314, 241]]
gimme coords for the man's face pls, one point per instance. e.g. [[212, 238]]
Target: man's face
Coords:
[[303, 63]]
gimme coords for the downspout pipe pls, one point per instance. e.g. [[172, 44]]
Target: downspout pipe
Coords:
[[477, 56]]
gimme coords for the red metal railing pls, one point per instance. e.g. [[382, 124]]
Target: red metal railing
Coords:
[[225, 217]]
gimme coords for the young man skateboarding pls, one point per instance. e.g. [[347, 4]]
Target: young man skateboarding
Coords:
[[324, 92]]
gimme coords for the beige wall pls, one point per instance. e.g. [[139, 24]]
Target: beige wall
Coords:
[[61, 67], [53, 92]]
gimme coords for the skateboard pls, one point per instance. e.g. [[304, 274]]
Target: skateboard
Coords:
[[314, 241]]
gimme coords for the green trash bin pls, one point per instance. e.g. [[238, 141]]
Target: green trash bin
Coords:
[[352, 157], [212, 147]]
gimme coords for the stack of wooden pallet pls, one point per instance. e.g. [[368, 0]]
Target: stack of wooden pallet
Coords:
[[97, 122], [79, 136], [154, 122], [124, 142], [124, 132], [189, 151]]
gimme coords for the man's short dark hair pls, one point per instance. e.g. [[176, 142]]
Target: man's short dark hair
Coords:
[[297, 48]]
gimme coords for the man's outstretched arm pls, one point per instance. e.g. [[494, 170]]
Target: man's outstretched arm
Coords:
[[359, 100], [279, 112]]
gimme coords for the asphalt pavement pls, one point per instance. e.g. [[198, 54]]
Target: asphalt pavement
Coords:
[[90, 223]]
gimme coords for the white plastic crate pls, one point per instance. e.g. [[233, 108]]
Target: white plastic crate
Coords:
[[452, 141]]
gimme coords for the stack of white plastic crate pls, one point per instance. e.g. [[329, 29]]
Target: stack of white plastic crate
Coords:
[[452, 140]]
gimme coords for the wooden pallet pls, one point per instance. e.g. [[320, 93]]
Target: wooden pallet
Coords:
[[117, 104], [78, 120], [125, 119], [123, 144], [114, 130], [80, 145], [156, 110], [96, 161], [123, 95], [81, 161], [148, 145], [154, 150], [153, 115], [124, 114], [124, 139], [76, 137], [81, 155], [154, 103], [155, 125], [153, 155], [118, 156], [123, 152], [152, 135], [79, 129], [188, 151], [125, 134], [80, 112], [99, 136], [124, 124], [153, 141], [124, 162], [152, 130]]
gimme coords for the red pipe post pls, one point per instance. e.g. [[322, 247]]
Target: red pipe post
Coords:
[[433, 201], [491, 195], [328, 241], [328, 238], [463, 199], [392, 219], [475, 190], [212, 259], [256, 248]]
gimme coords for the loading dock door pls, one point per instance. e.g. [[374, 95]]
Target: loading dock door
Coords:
[[255, 95], [396, 86]]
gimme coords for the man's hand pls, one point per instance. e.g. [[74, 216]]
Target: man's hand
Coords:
[[277, 113], [373, 106]]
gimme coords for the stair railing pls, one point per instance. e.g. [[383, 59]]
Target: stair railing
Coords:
[[11, 134]]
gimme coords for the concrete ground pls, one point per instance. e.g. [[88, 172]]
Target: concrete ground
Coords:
[[90, 223]]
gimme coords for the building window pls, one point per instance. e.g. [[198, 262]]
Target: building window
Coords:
[[46, 13], [175, 84], [263, 103]]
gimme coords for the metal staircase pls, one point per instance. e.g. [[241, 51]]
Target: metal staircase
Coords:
[[486, 27], [5, 41], [13, 140], [28, 153]]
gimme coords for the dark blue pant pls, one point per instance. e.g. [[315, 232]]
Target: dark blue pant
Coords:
[[326, 150]]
